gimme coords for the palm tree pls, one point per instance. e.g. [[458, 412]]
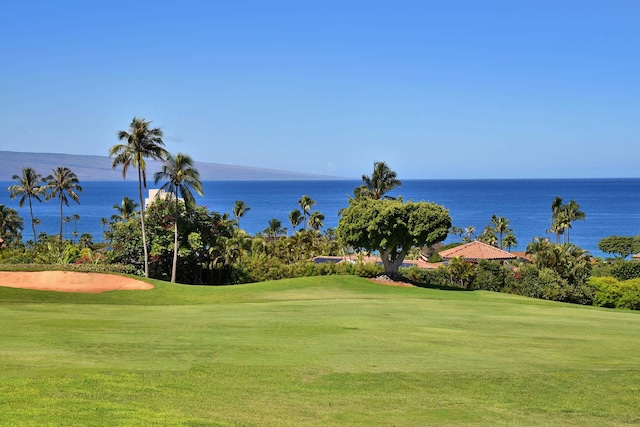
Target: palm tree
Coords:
[[295, 218], [126, 210], [562, 215], [29, 186], [275, 228], [306, 203], [239, 210], [64, 184], [315, 220], [181, 177], [11, 224], [509, 241], [381, 181], [469, 231], [500, 226], [573, 213], [488, 236], [142, 142]]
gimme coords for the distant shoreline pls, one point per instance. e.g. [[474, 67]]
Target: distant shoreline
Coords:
[[98, 168]]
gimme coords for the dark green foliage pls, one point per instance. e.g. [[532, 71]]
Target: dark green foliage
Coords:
[[492, 276], [622, 246], [425, 277], [625, 270], [547, 283], [392, 228], [267, 267]]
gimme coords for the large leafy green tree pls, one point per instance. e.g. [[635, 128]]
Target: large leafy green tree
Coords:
[[181, 178], [623, 246], [141, 142], [11, 224], [64, 185], [392, 228], [29, 186], [381, 181]]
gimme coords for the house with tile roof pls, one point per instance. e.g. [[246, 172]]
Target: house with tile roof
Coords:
[[476, 251]]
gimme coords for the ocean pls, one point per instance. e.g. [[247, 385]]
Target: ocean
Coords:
[[612, 206]]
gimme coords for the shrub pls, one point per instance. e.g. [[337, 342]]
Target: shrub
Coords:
[[492, 276], [612, 293], [626, 270]]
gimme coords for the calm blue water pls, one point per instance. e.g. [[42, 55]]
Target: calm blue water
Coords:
[[612, 206]]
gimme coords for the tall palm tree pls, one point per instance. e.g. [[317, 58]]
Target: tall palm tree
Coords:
[[141, 142], [11, 224], [181, 178], [306, 203], [562, 216], [275, 228], [500, 226], [469, 231], [316, 220], [381, 181], [64, 184], [239, 210], [573, 213], [29, 186], [126, 209], [295, 218], [509, 241]]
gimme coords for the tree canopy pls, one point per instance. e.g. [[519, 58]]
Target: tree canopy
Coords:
[[392, 228], [623, 246]]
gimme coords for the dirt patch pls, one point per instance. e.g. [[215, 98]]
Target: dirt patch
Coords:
[[386, 280], [70, 281]]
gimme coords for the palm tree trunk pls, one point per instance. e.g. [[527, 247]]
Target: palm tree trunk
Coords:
[[60, 218], [144, 234], [33, 225], [175, 242]]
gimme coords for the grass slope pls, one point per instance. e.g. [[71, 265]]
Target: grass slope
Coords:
[[313, 352]]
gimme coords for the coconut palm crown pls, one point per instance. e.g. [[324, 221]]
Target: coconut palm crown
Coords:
[[381, 181]]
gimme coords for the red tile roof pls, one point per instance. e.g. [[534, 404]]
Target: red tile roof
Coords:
[[475, 251]]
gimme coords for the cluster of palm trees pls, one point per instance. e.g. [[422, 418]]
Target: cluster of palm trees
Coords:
[[562, 217], [571, 262], [312, 219], [141, 142], [62, 184], [497, 233]]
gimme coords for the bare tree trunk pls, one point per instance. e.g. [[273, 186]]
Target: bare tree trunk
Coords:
[[144, 234], [175, 242]]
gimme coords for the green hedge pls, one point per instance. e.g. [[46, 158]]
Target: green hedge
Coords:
[[616, 294]]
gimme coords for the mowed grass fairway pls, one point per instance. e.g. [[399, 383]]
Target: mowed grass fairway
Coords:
[[320, 351]]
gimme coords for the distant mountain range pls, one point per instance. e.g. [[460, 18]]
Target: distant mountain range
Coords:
[[98, 168]]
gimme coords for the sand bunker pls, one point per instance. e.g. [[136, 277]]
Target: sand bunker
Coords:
[[70, 281]]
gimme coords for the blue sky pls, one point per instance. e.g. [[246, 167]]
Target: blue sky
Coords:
[[459, 89]]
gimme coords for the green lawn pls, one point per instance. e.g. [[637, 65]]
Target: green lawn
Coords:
[[313, 352]]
